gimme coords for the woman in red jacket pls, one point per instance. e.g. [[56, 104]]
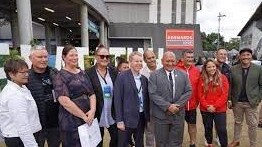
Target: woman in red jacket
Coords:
[[213, 91]]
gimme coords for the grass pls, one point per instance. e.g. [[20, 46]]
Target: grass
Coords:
[[200, 134]]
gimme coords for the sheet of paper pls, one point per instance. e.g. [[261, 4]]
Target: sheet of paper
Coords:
[[90, 136]]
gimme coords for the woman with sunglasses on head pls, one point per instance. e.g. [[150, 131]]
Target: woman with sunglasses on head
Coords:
[[19, 119], [102, 78], [76, 96], [213, 92]]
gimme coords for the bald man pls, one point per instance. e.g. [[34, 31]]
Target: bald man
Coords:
[[41, 86], [169, 90], [150, 60]]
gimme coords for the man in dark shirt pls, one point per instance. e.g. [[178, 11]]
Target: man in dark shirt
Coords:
[[41, 87], [221, 57], [246, 92]]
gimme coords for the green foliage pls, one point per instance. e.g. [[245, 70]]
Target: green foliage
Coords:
[[233, 44], [209, 41], [34, 42]]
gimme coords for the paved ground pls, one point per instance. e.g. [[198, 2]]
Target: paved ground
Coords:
[[200, 134]]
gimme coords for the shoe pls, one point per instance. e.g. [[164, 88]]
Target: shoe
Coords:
[[206, 144], [234, 144], [192, 145], [217, 141], [259, 125]]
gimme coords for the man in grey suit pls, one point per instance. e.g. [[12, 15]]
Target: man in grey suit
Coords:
[[169, 90]]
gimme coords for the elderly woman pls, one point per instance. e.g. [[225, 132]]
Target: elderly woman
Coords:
[[19, 120], [76, 96], [213, 91]]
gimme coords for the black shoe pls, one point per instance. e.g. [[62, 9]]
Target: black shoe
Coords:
[[259, 125], [192, 145]]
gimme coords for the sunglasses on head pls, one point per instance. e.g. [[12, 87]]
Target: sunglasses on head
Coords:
[[104, 56]]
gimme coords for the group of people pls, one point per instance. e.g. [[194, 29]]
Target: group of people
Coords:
[[42, 104]]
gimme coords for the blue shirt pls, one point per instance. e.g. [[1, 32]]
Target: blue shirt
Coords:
[[137, 79]]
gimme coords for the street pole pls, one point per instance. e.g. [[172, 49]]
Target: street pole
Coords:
[[218, 33]]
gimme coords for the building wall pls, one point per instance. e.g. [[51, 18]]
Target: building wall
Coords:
[[154, 11], [128, 12], [156, 32]]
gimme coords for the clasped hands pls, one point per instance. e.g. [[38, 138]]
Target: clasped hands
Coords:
[[173, 109], [89, 117], [211, 108]]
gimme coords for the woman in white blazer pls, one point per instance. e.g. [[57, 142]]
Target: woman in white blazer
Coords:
[[19, 119]]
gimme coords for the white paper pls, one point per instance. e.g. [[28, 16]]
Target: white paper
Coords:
[[90, 136]]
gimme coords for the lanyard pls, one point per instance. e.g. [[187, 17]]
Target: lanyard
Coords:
[[140, 88], [103, 78]]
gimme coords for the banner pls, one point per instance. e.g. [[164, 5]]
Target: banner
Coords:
[[179, 39]]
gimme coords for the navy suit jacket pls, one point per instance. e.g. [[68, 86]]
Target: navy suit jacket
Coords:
[[98, 89], [126, 100]]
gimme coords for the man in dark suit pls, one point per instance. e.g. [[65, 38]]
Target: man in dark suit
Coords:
[[131, 102], [169, 90]]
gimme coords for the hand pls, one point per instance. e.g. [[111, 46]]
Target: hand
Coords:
[[173, 108], [211, 108], [229, 105], [90, 116], [121, 126]]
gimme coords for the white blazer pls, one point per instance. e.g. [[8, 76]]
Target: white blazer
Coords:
[[18, 114]]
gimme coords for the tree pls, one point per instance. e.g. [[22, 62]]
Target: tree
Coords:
[[209, 41], [233, 44]]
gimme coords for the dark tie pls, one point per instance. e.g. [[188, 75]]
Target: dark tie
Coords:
[[171, 81]]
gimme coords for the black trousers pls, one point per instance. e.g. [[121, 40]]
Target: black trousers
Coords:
[[52, 136], [15, 141], [138, 134], [220, 125], [113, 135], [70, 138]]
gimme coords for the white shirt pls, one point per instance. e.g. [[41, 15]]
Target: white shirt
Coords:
[[146, 71], [18, 114]]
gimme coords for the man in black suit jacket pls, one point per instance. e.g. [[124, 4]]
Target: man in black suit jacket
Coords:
[[131, 102]]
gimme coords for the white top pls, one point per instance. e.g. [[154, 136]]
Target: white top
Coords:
[[146, 71], [18, 114]]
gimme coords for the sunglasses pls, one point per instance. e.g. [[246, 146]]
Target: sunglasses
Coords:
[[104, 56]]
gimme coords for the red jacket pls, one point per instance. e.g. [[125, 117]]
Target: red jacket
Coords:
[[194, 75], [216, 97]]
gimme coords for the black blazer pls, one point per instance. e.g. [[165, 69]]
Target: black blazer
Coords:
[[98, 89]]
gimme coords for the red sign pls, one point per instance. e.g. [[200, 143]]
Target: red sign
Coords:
[[179, 39]]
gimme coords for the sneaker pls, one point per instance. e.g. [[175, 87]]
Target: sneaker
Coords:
[[217, 141], [192, 145], [206, 144]]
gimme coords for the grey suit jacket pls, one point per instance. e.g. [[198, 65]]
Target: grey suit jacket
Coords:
[[161, 95], [253, 84]]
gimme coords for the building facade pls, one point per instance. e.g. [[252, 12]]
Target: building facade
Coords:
[[251, 33]]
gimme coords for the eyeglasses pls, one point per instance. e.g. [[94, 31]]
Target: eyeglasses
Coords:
[[104, 56]]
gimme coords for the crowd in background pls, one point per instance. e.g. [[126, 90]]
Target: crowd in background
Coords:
[[41, 104]]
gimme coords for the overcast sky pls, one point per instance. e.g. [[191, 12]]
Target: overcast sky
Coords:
[[237, 14]]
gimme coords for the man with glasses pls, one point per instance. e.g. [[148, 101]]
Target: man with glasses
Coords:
[[41, 86]]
